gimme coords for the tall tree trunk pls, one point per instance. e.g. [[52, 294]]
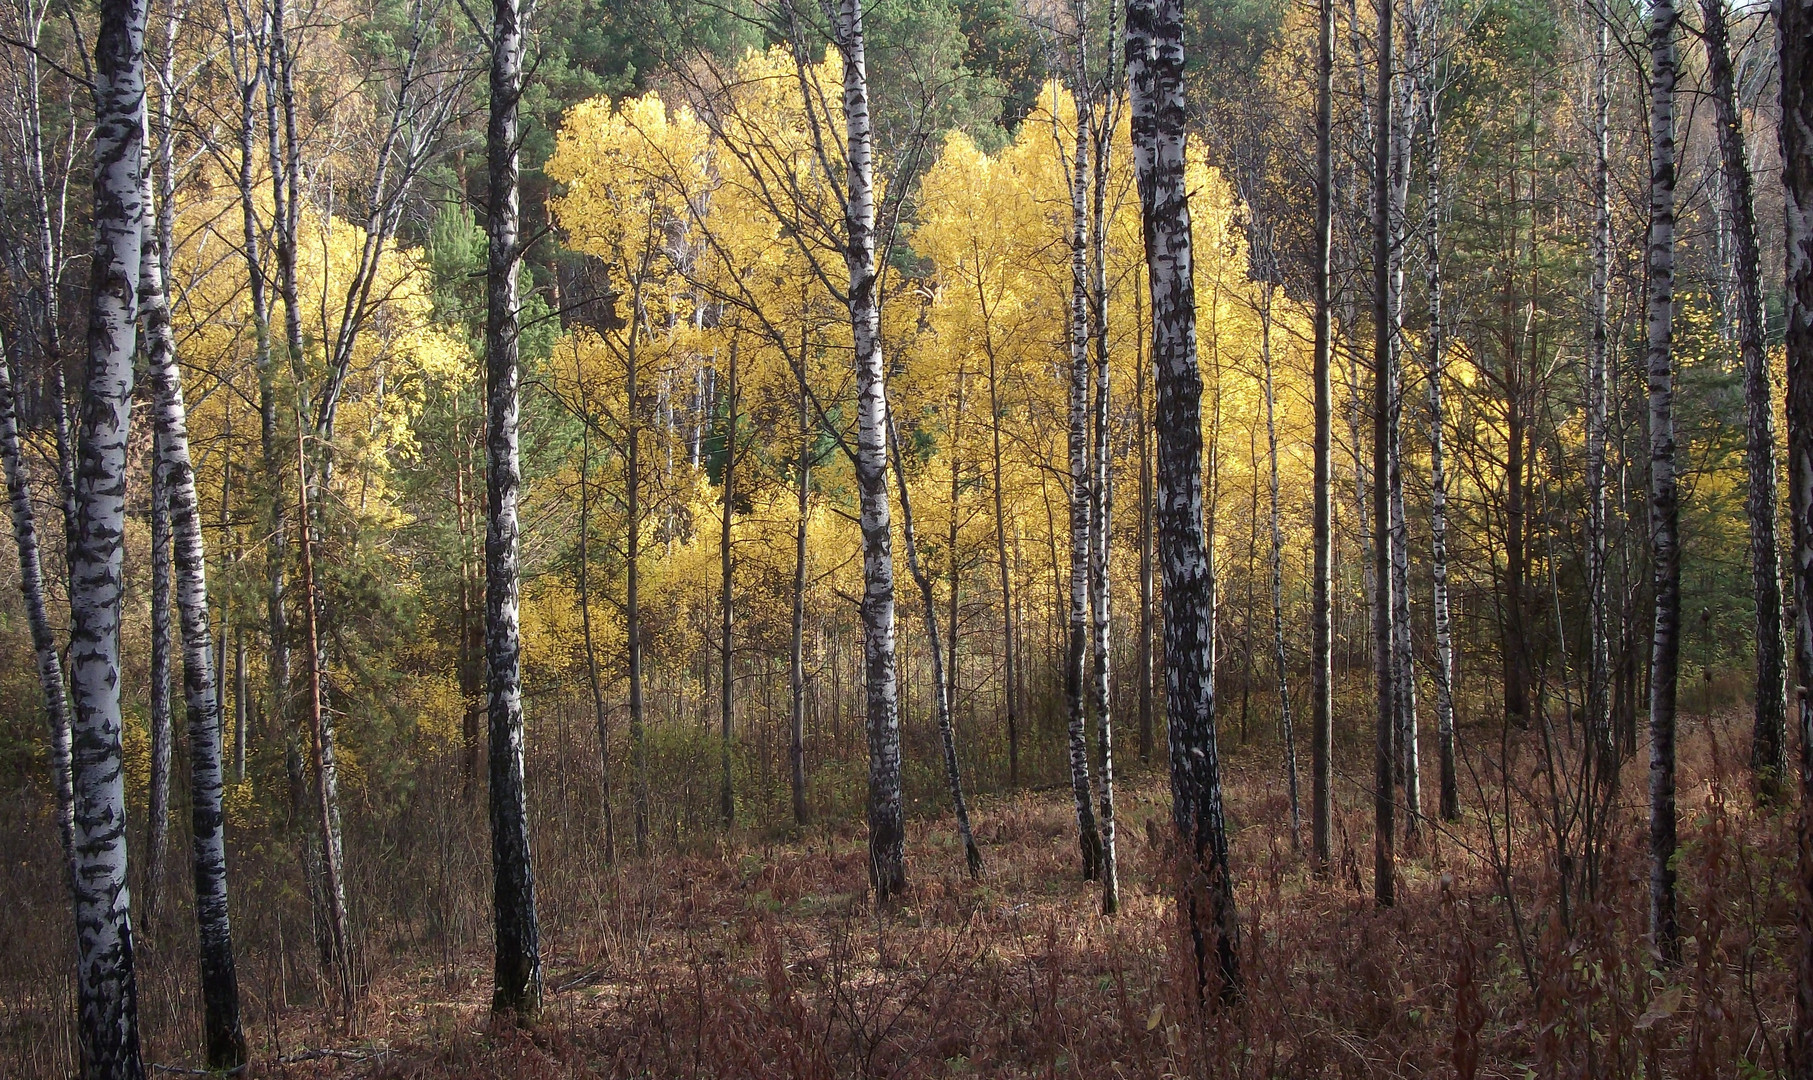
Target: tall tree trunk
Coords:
[[1280, 657], [1403, 672], [517, 983], [158, 797], [1321, 662], [887, 862], [107, 989], [1101, 496], [1425, 68], [285, 161], [1009, 639], [1664, 507], [337, 928], [1076, 655], [941, 687], [1598, 678], [632, 569], [1155, 63], [37, 615], [1769, 742], [1794, 55], [176, 494], [600, 716], [1143, 440], [1384, 805], [796, 668], [727, 807]]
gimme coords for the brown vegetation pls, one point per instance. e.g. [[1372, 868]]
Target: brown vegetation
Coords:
[[758, 955]]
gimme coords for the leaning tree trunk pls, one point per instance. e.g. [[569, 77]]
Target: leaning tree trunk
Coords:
[[1076, 653], [226, 1043], [1664, 506], [1280, 657], [1321, 662], [107, 990], [941, 687], [1794, 54], [517, 985], [1769, 741], [887, 861], [1155, 68], [1384, 840], [37, 615]]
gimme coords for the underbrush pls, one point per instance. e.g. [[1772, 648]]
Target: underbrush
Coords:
[[756, 956]]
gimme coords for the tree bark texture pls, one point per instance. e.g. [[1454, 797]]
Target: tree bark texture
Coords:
[[1155, 68], [517, 982], [887, 829], [1794, 55], [1664, 504], [1769, 738], [107, 990], [175, 473]]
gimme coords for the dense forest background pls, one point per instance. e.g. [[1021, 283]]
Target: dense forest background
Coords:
[[691, 564]]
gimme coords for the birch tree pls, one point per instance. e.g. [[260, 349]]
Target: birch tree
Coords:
[[1794, 57], [175, 494], [49, 661], [1384, 839], [517, 981], [1664, 505], [887, 863], [1155, 64], [1769, 737], [1321, 662], [107, 988]]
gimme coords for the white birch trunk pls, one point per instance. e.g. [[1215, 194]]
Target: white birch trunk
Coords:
[[1155, 68], [516, 986], [1076, 656], [887, 863], [43, 639], [106, 986], [175, 484]]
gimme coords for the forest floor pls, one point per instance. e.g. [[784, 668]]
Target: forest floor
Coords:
[[765, 957]]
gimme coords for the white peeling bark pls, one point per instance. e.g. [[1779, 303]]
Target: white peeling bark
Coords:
[[224, 1037], [106, 986], [1155, 66], [887, 835]]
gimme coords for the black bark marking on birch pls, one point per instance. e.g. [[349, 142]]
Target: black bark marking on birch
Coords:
[[174, 474], [1155, 63], [1321, 688], [107, 988], [517, 979]]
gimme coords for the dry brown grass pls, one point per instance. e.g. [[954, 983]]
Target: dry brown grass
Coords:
[[762, 957]]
